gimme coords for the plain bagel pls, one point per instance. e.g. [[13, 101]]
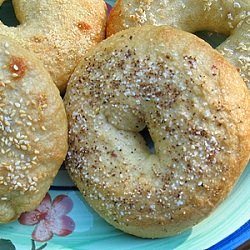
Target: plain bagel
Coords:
[[33, 131], [197, 110], [231, 18], [59, 32]]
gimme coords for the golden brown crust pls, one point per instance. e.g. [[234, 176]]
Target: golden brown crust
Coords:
[[59, 32], [33, 131], [231, 18], [197, 110]]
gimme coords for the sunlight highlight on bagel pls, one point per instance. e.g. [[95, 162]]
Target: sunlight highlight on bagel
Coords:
[[8, 17]]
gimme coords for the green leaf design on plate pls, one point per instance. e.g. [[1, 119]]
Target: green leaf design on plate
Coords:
[[6, 245], [34, 246]]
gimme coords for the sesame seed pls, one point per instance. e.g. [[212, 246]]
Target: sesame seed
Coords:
[[43, 128], [15, 67], [24, 147]]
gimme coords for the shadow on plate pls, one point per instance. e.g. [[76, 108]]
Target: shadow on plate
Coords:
[[103, 233], [7, 14]]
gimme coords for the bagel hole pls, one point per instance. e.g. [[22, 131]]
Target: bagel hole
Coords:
[[213, 38], [7, 14], [148, 140]]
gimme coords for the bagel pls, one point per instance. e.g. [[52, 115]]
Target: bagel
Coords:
[[197, 110], [59, 32], [231, 18], [33, 131]]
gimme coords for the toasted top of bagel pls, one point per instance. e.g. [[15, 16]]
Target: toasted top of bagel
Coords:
[[197, 110], [33, 130], [59, 32], [231, 18]]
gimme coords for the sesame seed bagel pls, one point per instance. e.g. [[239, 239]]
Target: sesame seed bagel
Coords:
[[197, 110], [59, 32], [231, 18], [33, 131]]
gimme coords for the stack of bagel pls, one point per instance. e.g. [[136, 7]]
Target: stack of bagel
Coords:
[[150, 73]]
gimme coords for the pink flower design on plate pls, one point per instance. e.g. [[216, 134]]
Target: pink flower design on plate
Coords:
[[50, 218]]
